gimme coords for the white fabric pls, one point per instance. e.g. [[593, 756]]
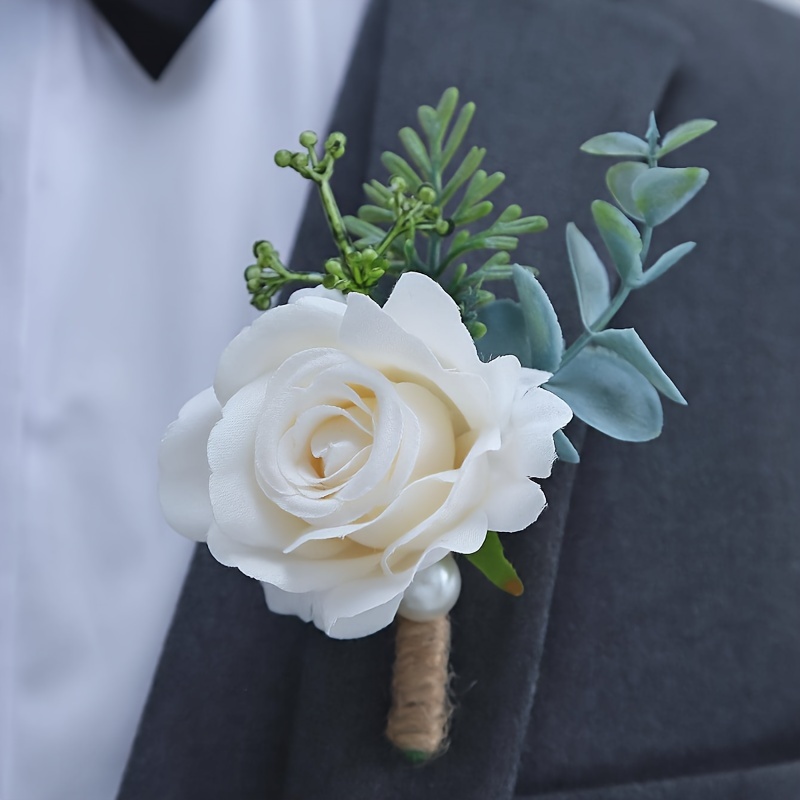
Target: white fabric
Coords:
[[127, 212]]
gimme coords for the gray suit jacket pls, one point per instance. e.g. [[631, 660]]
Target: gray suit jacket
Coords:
[[656, 652]]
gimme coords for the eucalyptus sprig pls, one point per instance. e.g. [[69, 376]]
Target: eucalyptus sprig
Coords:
[[609, 377]]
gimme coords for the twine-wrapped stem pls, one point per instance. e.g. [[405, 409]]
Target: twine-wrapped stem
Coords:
[[419, 717]]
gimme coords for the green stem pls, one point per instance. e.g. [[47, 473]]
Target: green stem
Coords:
[[306, 277], [597, 326], [647, 235], [334, 216]]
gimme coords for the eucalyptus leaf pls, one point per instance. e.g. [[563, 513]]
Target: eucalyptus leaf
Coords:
[[616, 143], [619, 180], [609, 394], [622, 239], [591, 278], [628, 344], [565, 450], [684, 134], [545, 340], [663, 191], [668, 260], [506, 333], [492, 562]]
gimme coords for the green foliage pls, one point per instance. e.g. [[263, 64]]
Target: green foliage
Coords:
[[616, 144], [591, 278], [668, 260], [610, 394], [609, 377], [505, 332], [661, 192], [565, 450], [683, 134], [492, 562], [458, 197], [542, 329], [619, 180], [622, 238], [626, 343]]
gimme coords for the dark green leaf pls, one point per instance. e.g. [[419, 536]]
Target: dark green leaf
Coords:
[[456, 136], [505, 334], [616, 144], [465, 170], [430, 124], [609, 394], [492, 562], [496, 242], [565, 450], [661, 192], [511, 214], [668, 260], [619, 180], [474, 213], [534, 224], [377, 193], [543, 332], [628, 344], [364, 230], [416, 149], [478, 189], [375, 214], [684, 134], [399, 166], [622, 239], [591, 278], [447, 106]]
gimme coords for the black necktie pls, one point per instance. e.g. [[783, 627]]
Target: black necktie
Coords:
[[153, 30]]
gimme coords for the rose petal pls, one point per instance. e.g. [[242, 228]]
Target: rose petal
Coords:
[[536, 416], [423, 308], [275, 336], [403, 357], [288, 573], [365, 623], [183, 465], [240, 507], [300, 604], [513, 505]]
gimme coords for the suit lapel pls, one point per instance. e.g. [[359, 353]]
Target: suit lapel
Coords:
[[546, 76]]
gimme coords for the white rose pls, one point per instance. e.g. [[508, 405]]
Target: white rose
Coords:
[[345, 446]]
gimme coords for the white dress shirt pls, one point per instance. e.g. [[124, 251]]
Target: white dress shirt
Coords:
[[128, 208]]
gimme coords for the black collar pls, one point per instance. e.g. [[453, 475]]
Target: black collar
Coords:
[[153, 30]]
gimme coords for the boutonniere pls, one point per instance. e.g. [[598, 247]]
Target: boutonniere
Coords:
[[393, 418]]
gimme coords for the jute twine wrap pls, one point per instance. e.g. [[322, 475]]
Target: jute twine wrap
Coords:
[[420, 714]]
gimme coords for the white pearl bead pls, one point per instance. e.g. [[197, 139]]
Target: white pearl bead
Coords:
[[433, 592]]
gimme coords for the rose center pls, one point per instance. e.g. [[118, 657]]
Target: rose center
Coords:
[[336, 442]]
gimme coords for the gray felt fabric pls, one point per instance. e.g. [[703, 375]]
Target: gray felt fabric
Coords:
[[656, 651]]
